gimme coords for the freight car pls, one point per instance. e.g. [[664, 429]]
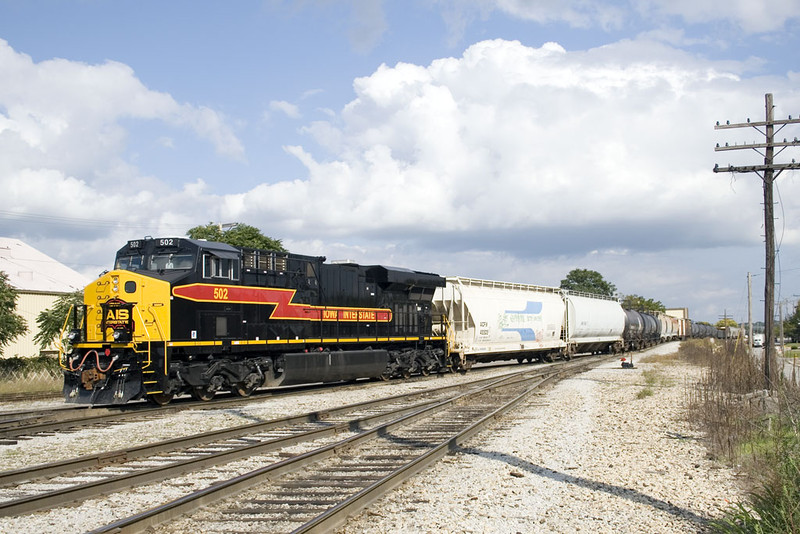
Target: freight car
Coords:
[[493, 321], [180, 315]]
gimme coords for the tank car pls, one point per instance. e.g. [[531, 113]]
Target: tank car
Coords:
[[642, 330], [594, 323], [179, 315]]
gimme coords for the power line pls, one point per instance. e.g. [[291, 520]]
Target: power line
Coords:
[[79, 222]]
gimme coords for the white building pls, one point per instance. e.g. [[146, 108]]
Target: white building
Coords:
[[39, 281]]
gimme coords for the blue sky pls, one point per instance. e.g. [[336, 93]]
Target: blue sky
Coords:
[[504, 139]]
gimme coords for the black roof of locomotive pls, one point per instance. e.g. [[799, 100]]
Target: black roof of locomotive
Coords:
[[380, 273]]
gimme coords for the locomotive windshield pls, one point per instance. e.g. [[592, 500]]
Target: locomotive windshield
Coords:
[[129, 263], [155, 262], [159, 262]]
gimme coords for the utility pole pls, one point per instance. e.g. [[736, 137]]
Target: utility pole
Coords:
[[767, 173], [750, 313]]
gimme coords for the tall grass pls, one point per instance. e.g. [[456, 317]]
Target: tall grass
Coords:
[[757, 430], [30, 375]]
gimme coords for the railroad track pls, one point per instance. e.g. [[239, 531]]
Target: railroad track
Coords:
[[348, 445], [24, 424], [46, 486], [316, 490]]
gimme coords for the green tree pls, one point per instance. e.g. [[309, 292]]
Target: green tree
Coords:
[[52, 320], [635, 302], [12, 325], [588, 281], [791, 324], [241, 235], [725, 323]]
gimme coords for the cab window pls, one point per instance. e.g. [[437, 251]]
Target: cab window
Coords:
[[129, 263], [214, 267]]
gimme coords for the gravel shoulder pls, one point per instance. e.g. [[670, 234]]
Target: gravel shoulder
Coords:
[[587, 455]]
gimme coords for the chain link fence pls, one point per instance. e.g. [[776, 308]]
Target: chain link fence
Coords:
[[41, 374]]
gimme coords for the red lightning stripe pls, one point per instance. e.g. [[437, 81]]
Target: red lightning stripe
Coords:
[[282, 300]]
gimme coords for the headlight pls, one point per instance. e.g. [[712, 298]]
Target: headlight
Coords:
[[120, 336]]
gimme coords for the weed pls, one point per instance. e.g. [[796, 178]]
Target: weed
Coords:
[[759, 430]]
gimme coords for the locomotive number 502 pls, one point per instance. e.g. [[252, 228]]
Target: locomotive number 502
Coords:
[[221, 293]]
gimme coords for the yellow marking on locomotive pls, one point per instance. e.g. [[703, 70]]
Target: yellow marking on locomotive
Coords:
[[194, 343], [150, 297]]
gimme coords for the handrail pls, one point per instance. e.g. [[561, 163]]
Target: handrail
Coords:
[[163, 337], [62, 359], [147, 335]]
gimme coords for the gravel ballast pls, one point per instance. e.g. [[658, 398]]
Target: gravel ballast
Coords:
[[588, 455], [585, 455]]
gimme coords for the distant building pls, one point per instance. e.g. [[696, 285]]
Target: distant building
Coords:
[[678, 313], [39, 281]]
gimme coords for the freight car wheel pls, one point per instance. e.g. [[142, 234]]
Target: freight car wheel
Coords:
[[202, 394], [160, 399]]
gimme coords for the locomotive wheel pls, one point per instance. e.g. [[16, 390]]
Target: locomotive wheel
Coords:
[[406, 373], [385, 376], [242, 390], [202, 394], [160, 399], [424, 371]]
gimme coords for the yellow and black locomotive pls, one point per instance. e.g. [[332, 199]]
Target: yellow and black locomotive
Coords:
[[179, 315]]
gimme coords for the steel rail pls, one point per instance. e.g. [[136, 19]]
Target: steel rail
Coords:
[[23, 423], [125, 455], [115, 483], [338, 514], [221, 490]]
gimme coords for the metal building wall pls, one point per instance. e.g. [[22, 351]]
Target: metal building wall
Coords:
[[29, 305]]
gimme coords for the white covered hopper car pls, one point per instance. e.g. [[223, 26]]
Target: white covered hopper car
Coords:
[[491, 321]]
